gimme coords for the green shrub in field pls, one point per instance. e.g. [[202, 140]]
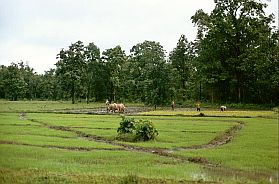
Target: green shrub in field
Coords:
[[127, 125], [145, 130], [131, 130]]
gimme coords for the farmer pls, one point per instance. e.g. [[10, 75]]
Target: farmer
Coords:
[[198, 105], [107, 102], [172, 105], [223, 108]]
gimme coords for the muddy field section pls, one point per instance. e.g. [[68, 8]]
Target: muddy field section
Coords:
[[103, 110]]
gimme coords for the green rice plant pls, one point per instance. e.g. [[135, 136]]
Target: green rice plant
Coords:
[[30, 147], [27, 129], [98, 162], [184, 132], [174, 131], [44, 106], [254, 148], [129, 179], [77, 120], [14, 119], [214, 113]]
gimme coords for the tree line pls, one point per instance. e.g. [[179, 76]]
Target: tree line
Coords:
[[234, 59]]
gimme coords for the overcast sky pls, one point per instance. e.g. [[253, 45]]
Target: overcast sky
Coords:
[[34, 31]]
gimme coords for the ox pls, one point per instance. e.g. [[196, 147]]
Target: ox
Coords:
[[120, 107], [113, 107]]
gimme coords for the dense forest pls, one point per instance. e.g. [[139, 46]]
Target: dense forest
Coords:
[[234, 59]]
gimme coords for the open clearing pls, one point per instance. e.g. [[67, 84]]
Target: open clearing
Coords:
[[57, 142]]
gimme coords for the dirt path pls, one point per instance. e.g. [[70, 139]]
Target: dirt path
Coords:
[[71, 148]]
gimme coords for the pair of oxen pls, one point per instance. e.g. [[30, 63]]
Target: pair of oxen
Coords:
[[112, 107]]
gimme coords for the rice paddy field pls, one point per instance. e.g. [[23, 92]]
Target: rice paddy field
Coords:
[[59, 142]]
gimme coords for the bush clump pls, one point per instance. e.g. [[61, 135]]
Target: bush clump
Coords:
[[131, 130]]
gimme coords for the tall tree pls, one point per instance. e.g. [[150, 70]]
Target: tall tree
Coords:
[[116, 60], [14, 84], [49, 88], [96, 75], [71, 67], [3, 71], [92, 56], [181, 59], [151, 74], [30, 79], [229, 42]]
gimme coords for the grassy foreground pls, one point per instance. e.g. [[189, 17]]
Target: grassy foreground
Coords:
[[80, 148]]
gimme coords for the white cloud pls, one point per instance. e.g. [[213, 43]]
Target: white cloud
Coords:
[[36, 30], [37, 56]]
